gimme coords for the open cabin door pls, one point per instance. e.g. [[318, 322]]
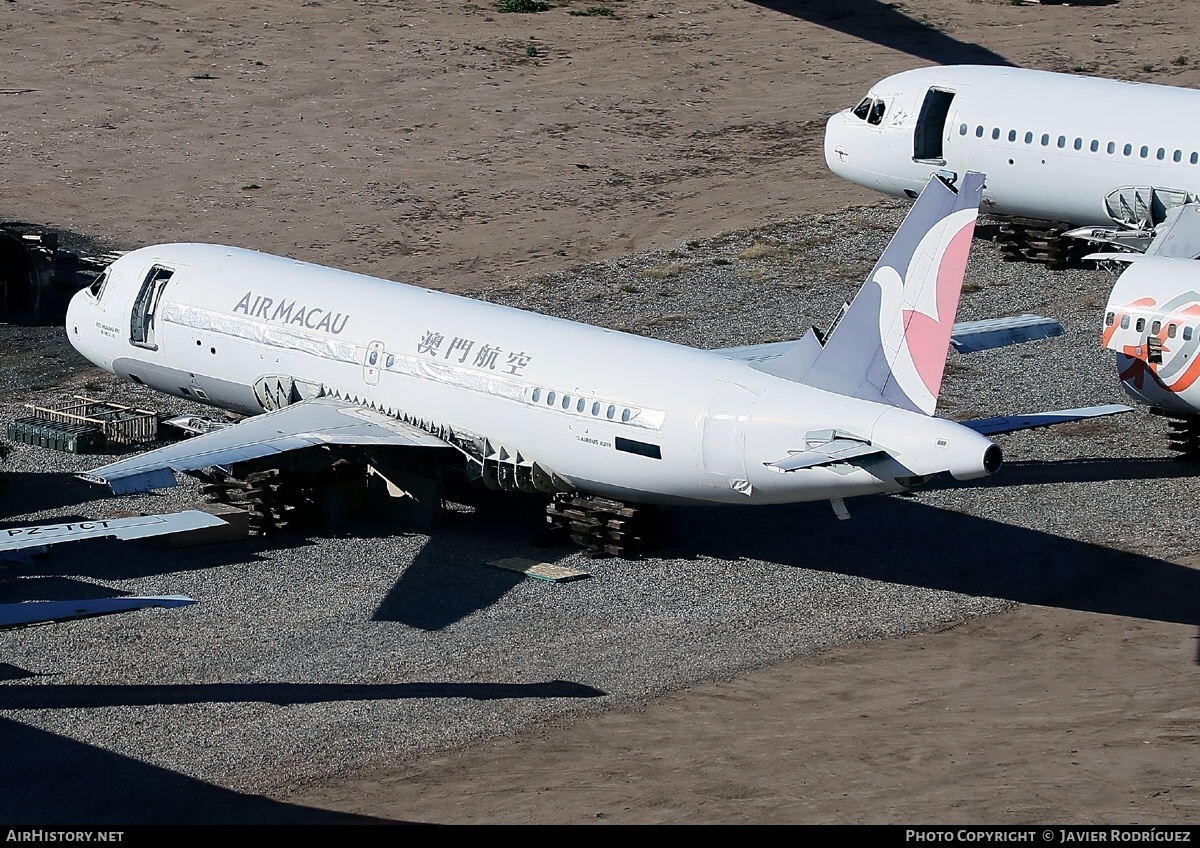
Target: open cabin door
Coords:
[[141, 320], [931, 127]]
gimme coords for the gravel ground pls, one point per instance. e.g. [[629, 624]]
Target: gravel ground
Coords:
[[307, 659]]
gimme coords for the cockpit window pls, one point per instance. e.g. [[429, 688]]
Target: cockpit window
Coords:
[[96, 289], [870, 110]]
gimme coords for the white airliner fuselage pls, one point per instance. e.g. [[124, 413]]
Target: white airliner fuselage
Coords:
[[535, 402], [1054, 146]]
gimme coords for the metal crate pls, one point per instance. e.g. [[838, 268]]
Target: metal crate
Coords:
[[57, 435], [121, 425]]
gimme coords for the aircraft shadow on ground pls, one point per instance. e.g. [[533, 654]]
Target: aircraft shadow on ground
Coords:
[[898, 541], [448, 579], [890, 539], [52, 696], [884, 24], [50, 779], [1064, 471]]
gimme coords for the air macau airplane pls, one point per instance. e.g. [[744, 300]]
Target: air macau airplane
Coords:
[[333, 365]]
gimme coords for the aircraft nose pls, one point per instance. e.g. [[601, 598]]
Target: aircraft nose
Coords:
[[837, 153]]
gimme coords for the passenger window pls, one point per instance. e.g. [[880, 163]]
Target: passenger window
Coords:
[[1045, 139], [612, 411], [1128, 150], [1177, 156], [1124, 322], [1162, 154], [1062, 141], [1109, 319], [537, 395], [1145, 151], [962, 129], [979, 131], [1079, 144], [995, 133], [1140, 325], [579, 406], [1029, 138], [391, 360], [625, 415], [566, 404], [550, 398], [1012, 135], [596, 408], [1095, 146], [1155, 327], [1187, 333], [1112, 148], [1195, 157], [1170, 331]]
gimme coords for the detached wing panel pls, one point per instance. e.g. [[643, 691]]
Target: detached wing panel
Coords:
[[322, 421]]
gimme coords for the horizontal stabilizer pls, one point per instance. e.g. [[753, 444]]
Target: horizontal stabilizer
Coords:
[[322, 421], [135, 527], [973, 336], [41, 612], [1012, 423], [830, 453]]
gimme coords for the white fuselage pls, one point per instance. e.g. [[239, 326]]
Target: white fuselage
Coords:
[[607, 412], [1152, 323], [1053, 146]]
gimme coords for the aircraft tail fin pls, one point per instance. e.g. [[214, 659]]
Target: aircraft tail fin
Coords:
[[891, 344]]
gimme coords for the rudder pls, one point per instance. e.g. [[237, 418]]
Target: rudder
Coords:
[[891, 344]]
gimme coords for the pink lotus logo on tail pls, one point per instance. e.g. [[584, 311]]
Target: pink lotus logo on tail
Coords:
[[928, 336]]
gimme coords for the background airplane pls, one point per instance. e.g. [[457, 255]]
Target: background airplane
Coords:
[[1152, 323], [407, 381], [1118, 160]]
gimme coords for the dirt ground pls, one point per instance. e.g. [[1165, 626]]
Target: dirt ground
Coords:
[[458, 146]]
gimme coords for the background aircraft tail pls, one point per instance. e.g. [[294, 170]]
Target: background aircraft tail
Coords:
[[891, 344]]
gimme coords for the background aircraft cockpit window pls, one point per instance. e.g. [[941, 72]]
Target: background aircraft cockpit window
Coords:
[[877, 109], [96, 289], [863, 109]]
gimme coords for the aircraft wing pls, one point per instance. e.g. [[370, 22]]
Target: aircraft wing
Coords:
[[321, 421], [42, 612], [135, 527], [1012, 423]]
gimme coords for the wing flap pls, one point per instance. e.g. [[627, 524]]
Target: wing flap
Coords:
[[973, 336], [321, 421]]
